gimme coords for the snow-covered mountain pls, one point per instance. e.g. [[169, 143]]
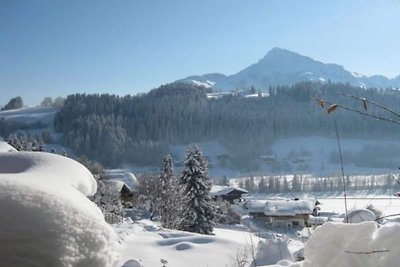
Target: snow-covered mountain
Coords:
[[284, 67]]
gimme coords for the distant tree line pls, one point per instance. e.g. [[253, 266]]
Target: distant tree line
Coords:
[[300, 183], [138, 129]]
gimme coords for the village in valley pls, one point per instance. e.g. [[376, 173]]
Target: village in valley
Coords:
[[257, 220]]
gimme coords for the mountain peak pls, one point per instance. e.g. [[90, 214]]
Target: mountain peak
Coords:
[[284, 67], [277, 53], [278, 50]]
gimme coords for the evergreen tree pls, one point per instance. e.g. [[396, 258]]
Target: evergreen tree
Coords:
[[197, 211], [285, 185], [168, 194]]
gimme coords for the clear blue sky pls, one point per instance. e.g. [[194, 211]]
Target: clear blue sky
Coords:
[[55, 48]]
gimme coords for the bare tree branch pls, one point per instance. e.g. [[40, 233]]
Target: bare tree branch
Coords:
[[367, 252], [371, 102], [359, 112]]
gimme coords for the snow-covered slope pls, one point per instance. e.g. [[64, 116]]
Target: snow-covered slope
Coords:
[[4, 147], [148, 244], [46, 218], [44, 115], [283, 67]]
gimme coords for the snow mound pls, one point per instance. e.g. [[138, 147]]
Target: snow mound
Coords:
[[362, 244], [132, 263], [46, 219], [196, 239], [4, 147], [48, 169], [359, 215]]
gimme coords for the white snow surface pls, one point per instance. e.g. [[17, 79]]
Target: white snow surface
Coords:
[[363, 244], [44, 115], [46, 218], [4, 147], [148, 244], [288, 207]]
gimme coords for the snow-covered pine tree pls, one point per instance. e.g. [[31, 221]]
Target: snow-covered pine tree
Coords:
[[197, 214], [169, 194]]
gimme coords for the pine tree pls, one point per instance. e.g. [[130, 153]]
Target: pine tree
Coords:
[[168, 195], [197, 211]]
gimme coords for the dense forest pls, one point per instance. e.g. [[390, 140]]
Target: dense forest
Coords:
[[139, 129]]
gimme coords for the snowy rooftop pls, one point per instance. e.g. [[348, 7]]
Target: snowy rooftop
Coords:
[[288, 207], [220, 190], [122, 175], [280, 206]]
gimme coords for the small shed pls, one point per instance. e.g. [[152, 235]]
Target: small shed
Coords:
[[227, 193]]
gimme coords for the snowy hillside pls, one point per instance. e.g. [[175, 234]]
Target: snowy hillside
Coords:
[[284, 67], [44, 115]]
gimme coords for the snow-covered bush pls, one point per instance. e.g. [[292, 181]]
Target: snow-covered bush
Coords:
[[270, 251], [376, 211], [225, 214], [108, 199]]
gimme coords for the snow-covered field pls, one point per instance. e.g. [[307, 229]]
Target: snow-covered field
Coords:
[[47, 220], [146, 243], [44, 115]]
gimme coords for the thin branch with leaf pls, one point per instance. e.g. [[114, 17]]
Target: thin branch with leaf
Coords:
[[331, 107]]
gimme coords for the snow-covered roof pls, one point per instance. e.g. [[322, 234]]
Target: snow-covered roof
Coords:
[[122, 175], [255, 206], [220, 190], [288, 207]]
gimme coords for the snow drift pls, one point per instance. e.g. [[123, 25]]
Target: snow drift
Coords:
[[352, 244], [4, 147], [46, 218]]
